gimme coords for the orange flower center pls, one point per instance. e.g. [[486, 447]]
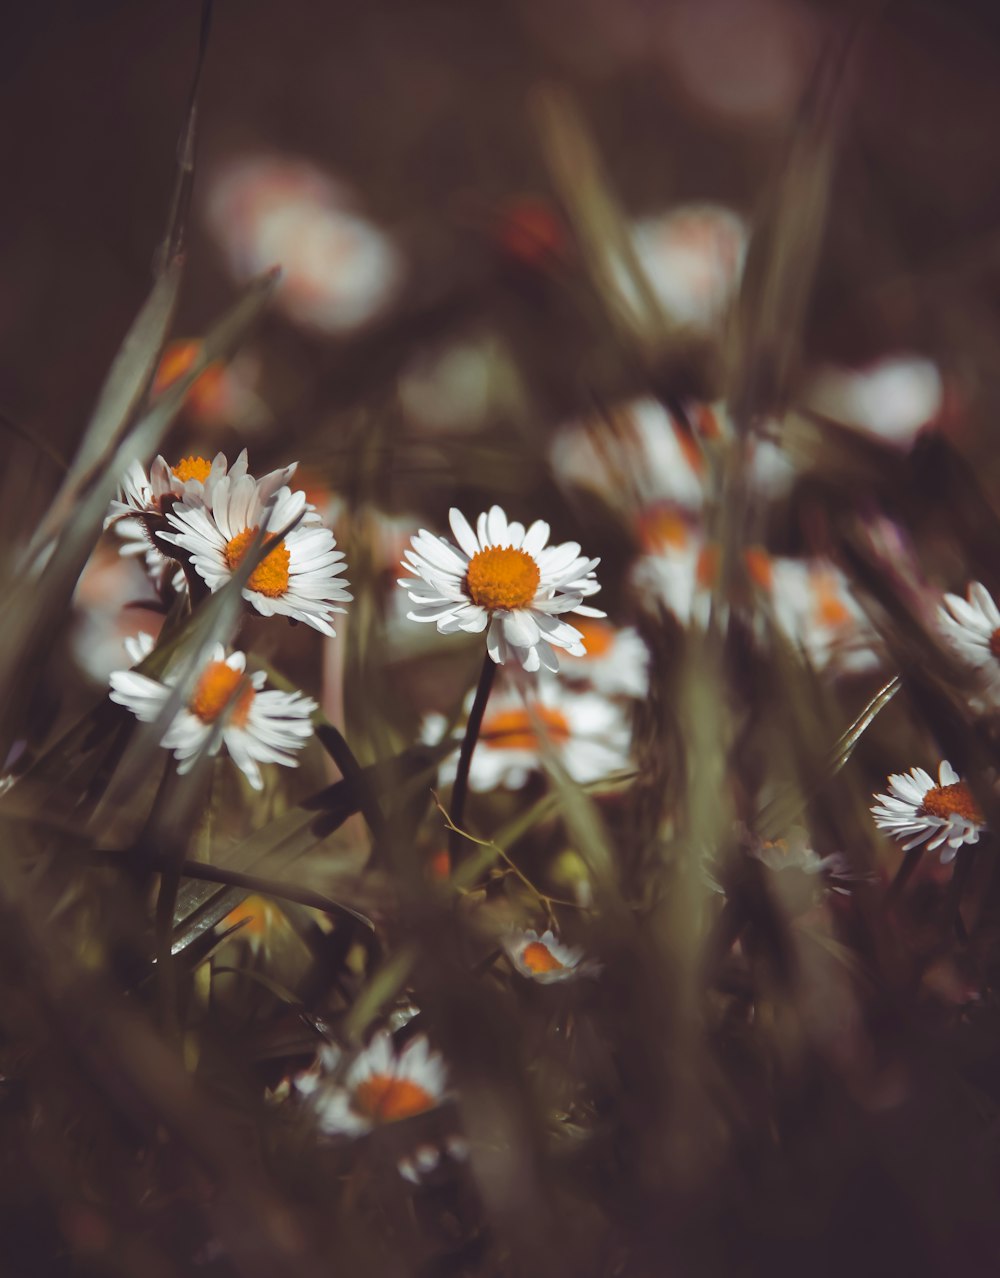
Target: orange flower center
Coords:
[[502, 577], [539, 958], [270, 577], [386, 1099], [221, 688], [707, 570], [995, 644], [254, 913], [207, 392], [830, 607], [758, 566], [598, 637], [514, 730], [661, 529], [192, 468], [951, 800]]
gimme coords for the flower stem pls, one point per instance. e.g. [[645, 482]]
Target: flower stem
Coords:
[[461, 786]]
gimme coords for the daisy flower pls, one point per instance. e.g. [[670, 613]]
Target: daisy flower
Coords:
[[545, 959], [502, 579], [893, 400], [972, 627], [816, 611], [919, 811], [256, 726], [589, 734], [616, 661], [338, 270], [382, 1085], [692, 257], [298, 578], [680, 568], [137, 514]]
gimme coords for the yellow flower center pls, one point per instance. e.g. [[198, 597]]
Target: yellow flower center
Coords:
[[270, 577], [386, 1098], [831, 610], [995, 644], [514, 730], [219, 688], [951, 800], [502, 577], [191, 468], [660, 528], [256, 915], [539, 958], [598, 637]]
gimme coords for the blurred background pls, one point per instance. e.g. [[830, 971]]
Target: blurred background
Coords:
[[550, 253]]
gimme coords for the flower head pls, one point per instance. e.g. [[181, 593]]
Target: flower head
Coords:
[[545, 959], [381, 1086], [615, 663], [297, 578], [503, 579], [919, 811], [226, 706], [588, 733], [972, 627]]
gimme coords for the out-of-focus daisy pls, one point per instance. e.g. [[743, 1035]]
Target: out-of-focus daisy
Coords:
[[546, 959], [221, 395], [505, 580], [972, 627], [589, 734], [226, 707], [919, 811], [894, 399], [111, 604], [616, 661], [636, 453], [259, 921], [338, 272], [381, 1086], [297, 578], [693, 259], [679, 569], [816, 611]]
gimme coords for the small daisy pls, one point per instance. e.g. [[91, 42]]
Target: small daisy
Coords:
[[589, 734], [679, 571], [972, 627], [259, 922], [256, 726], [298, 578], [503, 580], [381, 1086], [616, 661], [545, 959], [814, 608], [942, 813]]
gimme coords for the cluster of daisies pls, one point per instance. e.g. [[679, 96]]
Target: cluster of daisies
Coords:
[[656, 470], [195, 523]]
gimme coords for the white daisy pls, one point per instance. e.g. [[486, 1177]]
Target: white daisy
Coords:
[[589, 734], [298, 578], [616, 661], [545, 959], [256, 726], [382, 1085], [504, 580], [972, 627], [137, 514], [942, 813], [816, 611], [680, 569]]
